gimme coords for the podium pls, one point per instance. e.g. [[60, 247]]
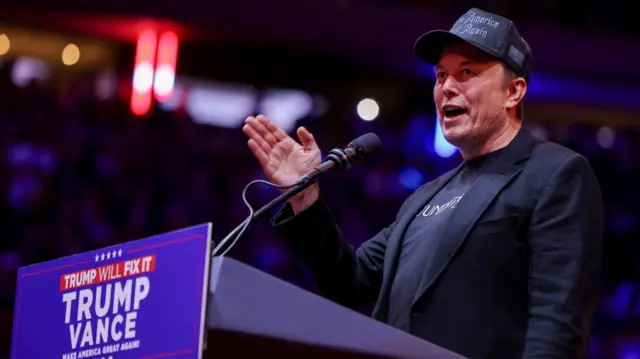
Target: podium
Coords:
[[164, 296], [252, 314]]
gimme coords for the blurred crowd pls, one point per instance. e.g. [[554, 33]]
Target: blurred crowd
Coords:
[[78, 173]]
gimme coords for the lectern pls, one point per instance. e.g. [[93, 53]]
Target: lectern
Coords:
[[164, 296], [251, 314]]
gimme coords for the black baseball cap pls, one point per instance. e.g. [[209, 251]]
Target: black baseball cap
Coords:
[[491, 33]]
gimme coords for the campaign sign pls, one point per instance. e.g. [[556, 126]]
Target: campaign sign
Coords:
[[142, 299]]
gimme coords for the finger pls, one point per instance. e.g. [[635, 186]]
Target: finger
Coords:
[[257, 138], [262, 130], [272, 127], [306, 138], [259, 153]]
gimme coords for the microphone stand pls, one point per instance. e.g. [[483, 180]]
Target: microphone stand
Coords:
[[336, 159], [285, 196]]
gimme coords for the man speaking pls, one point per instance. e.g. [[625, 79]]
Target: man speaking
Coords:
[[498, 258]]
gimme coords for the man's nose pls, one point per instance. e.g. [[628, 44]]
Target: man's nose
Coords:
[[450, 87]]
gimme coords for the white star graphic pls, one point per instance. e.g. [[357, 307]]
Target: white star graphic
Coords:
[[120, 253], [102, 256], [97, 257], [113, 254], [108, 255]]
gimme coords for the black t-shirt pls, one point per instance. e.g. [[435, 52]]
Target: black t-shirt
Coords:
[[424, 231]]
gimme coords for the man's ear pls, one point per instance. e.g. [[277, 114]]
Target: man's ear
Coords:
[[517, 90]]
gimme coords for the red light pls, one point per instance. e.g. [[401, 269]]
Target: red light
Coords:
[[143, 72], [165, 72]]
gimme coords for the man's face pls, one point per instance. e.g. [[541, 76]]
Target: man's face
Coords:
[[470, 95]]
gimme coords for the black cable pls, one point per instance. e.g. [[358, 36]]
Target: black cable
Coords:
[[242, 227], [336, 159]]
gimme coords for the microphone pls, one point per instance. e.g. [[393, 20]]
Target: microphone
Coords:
[[341, 159]]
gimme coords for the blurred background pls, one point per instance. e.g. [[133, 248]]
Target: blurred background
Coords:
[[121, 119]]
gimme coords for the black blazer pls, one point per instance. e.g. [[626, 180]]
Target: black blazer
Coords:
[[516, 273]]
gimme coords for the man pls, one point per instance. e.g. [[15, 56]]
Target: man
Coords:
[[498, 258]]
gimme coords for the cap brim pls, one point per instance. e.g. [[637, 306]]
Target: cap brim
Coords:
[[429, 46]]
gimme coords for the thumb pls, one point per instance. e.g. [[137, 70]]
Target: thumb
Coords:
[[306, 139]]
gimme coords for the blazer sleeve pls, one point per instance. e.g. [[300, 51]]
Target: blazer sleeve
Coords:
[[342, 274], [565, 240]]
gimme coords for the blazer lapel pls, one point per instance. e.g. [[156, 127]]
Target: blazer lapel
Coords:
[[392, 253], [472, 206]]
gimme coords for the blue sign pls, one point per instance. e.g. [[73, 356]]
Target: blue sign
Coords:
[[142, 299]]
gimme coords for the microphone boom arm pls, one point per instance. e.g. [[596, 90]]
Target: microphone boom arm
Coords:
[[337, 158], [285, 196]]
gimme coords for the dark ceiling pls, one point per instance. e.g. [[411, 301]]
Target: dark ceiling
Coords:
[[568, 37]]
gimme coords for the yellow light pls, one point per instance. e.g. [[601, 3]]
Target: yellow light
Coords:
[[5, 44], [70, 55]]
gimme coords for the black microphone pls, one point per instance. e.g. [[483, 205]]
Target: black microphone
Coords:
[[341, 159]]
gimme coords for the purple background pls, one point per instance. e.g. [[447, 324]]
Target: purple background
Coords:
[[80, 172], [167, 318]]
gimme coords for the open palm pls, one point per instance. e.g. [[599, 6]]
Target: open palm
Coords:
[[282, 159]]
